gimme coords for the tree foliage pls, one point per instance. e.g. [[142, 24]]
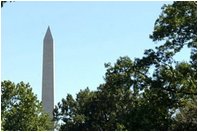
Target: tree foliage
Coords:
[[155, 92], [3, 3], [20, 109]]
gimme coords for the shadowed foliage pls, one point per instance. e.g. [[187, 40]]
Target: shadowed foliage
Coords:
[[20, 109], [155, 92]]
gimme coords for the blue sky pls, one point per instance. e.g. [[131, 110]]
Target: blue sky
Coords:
[[86, 35]]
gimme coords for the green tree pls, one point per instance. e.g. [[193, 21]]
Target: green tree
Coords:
[[118, 104], [101, 109], [3, 3], [155, 92], [20, 109], [177, 27], [131, 100], [186, 119]]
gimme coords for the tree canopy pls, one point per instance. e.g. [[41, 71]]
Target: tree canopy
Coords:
[[155, 92], [3, 3], [21, 110]]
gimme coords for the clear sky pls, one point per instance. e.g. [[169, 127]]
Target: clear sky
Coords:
[[86, 35]]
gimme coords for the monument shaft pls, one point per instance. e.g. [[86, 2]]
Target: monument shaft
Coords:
[[48, 74]]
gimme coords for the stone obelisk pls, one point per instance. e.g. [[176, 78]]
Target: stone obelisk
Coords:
[[48, 73]]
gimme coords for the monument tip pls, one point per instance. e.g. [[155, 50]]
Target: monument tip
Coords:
[[48, 34], [48, 28]]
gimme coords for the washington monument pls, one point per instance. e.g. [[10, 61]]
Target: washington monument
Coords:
[[48, 74]]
